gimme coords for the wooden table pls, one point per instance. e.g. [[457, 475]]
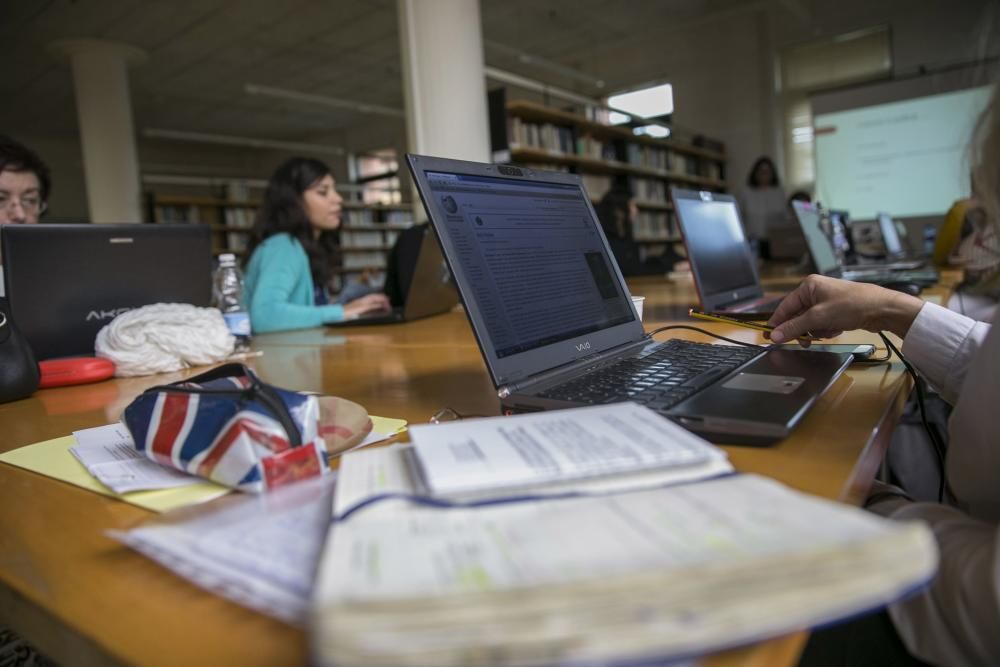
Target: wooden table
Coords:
[[84, 599]]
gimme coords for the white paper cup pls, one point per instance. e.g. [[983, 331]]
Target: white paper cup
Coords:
[[637, 302]]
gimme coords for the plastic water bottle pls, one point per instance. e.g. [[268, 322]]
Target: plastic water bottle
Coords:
[[227, 294]]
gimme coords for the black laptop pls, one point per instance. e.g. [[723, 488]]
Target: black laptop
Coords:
[[65, 282], [431, 290], [722, 263], [826, 262], [555, 322]]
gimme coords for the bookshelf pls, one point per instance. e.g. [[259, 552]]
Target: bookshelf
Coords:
[[367, 231], [537, 136]]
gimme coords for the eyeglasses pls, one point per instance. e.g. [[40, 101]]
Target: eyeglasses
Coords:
[[449, 415], [29, 203]]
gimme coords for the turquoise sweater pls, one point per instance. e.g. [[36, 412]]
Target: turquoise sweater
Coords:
[[279, 288]]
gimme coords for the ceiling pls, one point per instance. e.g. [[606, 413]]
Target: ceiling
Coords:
[[202, 53]]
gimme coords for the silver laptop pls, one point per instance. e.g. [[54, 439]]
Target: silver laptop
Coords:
[[431, 290], [555, 323], [722, 263], [65, 282], [826, 262]]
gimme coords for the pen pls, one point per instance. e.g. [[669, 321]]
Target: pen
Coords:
[[757, 326]]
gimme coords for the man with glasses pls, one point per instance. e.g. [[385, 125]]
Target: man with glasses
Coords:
[[24, 184]]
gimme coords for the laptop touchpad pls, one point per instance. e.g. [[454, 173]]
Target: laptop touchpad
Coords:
[[774, 384]]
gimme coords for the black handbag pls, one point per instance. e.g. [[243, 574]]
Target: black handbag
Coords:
[[19, 374]]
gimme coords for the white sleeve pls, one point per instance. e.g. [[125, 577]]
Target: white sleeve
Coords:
[[941, 344]]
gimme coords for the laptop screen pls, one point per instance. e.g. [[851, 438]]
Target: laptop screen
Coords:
[[890, 236], [716, 244], [819, 245], [534, 270], [533, 256]]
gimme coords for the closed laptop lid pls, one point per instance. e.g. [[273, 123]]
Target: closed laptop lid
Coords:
[[722, 262], [530, 261], [817, 242], [65, 282]]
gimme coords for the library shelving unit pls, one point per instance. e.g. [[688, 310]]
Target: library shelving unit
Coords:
[[367, 231], [537, 136]]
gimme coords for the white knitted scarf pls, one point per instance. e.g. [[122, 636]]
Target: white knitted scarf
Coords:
[[164, 337]]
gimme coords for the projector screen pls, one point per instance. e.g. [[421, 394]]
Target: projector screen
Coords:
[[908, 158]]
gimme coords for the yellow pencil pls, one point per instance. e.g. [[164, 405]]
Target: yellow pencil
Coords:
[[757, 326]]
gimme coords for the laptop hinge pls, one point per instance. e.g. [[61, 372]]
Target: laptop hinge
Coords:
[[575, 367]]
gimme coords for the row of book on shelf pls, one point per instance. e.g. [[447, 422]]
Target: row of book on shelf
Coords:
[[566, 139]]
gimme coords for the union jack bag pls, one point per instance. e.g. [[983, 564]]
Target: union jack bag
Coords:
[[228, 426]]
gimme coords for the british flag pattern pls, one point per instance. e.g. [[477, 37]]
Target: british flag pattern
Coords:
[[228, 438]]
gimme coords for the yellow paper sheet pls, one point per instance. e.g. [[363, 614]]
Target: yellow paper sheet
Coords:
[[53, 459]]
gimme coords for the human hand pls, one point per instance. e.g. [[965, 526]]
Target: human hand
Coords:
[[825, 307], [366, 304]]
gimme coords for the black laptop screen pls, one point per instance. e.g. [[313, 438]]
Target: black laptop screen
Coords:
[[716, 242], [533, 256]]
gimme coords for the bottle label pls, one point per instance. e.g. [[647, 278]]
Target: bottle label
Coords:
[[238, 323]]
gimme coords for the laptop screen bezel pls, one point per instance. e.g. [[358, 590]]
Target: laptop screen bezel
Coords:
[[522, 365], [715, 300]]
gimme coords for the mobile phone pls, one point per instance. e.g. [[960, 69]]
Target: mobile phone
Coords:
[[860, 351], [748, 324]]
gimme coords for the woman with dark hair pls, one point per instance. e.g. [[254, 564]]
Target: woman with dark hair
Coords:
[[295, 251], [762, 203]]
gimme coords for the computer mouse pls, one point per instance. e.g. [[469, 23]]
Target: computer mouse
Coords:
[[913, 289]]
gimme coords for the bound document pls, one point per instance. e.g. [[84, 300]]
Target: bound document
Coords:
[[659, 573], [607, 448]]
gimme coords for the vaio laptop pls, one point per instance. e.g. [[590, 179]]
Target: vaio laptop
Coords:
[[555, 322], [431, 289], [65, 282], [722, 263], [826, 262]]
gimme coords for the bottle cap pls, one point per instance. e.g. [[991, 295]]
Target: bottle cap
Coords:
[[227, 258]]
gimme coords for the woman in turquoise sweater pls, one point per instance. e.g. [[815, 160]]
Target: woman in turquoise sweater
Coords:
[[295, 252]]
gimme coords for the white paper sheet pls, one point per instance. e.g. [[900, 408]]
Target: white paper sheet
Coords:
[[259, 551], [109, 454], [477, 457]]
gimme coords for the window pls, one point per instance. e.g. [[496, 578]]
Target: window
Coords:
[[855, 57], [650, 102], [378, 175]]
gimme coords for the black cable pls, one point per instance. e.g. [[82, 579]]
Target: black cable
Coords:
[[702, 331], [918, 383]]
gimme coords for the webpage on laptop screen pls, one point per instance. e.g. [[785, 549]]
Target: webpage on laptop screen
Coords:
[[533, 257]]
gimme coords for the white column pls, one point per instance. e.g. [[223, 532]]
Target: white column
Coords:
[[107, 134], [441, 44]]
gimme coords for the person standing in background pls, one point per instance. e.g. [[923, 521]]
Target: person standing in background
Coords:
[[294, 252], [762, 204]]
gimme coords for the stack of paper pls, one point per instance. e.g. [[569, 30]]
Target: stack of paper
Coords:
[[665, 572], [585, 535]]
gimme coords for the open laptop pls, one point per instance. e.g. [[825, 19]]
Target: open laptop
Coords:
[[826, 262], [431, 290], [555, 322], [65, 282], [896, 256], [722, 263]]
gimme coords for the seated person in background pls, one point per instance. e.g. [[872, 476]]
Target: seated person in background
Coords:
[[762, 204], [295, 251], [24, 184], [616, 212], [967, 240], [24, 188], [953, 621]]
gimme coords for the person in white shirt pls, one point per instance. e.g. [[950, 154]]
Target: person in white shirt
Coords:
[[956, 619]]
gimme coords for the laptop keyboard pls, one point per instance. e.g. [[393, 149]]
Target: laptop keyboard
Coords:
[[672, 372]]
